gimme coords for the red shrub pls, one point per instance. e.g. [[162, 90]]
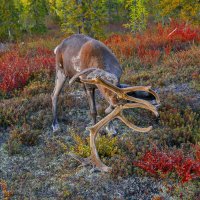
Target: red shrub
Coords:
[[183, 32], [153, 42], [148, 56], [122, 45], [161, 163], [44, 59], [15, 69]]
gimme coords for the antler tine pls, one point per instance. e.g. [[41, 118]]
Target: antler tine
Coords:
[[142, 88], [136, 88], [121, 93], [93, 134], [133, 126], [138, 105]]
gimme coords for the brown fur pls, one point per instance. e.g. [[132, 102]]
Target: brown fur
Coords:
[[85, 52], [91, 55]]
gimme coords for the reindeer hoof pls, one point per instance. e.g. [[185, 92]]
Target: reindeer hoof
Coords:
[[55, 127], [106, 169], [100, 169], [111, 131]]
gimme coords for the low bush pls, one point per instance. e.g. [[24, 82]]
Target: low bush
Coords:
[[183, 122], [16, 69], [5, 192], [106, 146], [155, 42], [25, 135], [17, 111], [180, 67], [162, 163], [183, 59]]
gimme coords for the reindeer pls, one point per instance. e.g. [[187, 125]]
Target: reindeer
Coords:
[[78, 55], [90, 62], [75, 54]]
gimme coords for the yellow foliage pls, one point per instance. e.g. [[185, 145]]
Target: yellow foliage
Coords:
[[25, 2], [184, 9], [106, 146], [6, 194]]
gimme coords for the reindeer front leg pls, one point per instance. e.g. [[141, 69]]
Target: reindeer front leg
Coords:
[[90, 92], [59, 82], [112, 100]]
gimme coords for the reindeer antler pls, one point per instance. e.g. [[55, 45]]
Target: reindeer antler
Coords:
[[122, 92], [116, 113]]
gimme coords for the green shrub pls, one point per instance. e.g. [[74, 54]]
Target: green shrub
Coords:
[[106, 146]]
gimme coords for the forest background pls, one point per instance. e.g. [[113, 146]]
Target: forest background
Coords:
[[22, 17]]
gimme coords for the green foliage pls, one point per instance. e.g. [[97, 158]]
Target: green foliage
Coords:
[[19, 17], [34, 12], [22, 16], [116, 10], [183, 122], [9, 20], [183, 9], [138, 14], [81, 146], [106, 146], [82, 16], [52, 4]]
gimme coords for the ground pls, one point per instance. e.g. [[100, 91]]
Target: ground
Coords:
[[35, 162], [46, 171]]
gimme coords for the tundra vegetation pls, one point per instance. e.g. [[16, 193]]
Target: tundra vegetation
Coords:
[[157, 43]]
